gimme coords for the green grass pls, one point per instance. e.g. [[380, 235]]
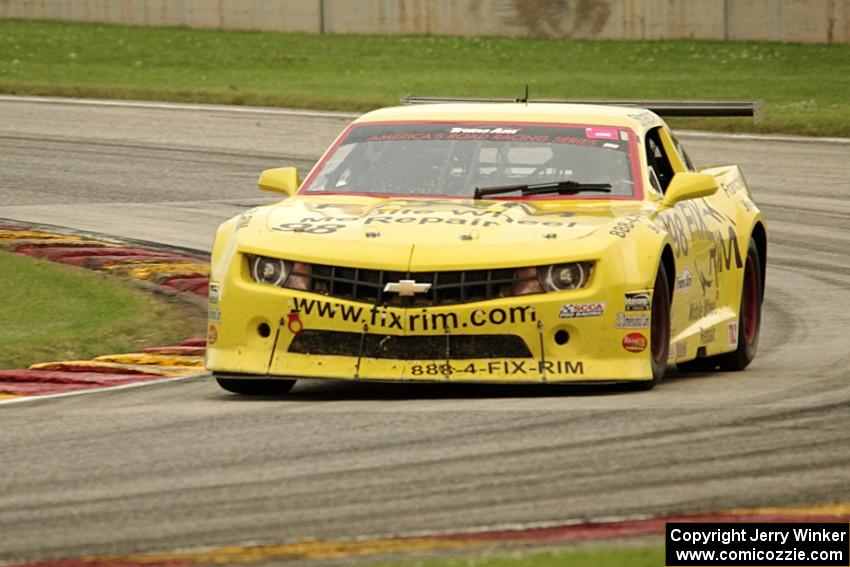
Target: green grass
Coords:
[[805, 87], [624, 557], [56, 312]]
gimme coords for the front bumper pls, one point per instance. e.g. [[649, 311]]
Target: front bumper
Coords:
[[263, 331]]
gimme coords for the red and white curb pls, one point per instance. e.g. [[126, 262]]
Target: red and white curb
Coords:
[[176, 272], [563, 532]]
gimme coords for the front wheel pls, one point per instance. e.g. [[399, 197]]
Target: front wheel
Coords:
[[660, 330], [255, 387]]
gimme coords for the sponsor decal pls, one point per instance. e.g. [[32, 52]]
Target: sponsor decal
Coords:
[[601, 133], [733, 334], [684, 280], [516, 134], [725, 251], [214, 293], [699, 309], [215, 315], [677, 350], [654, 226], [425, 207], [579, 310], [640, 301], [212, 335], [632, 321], [646, 119], [499, 130], [458, 219], [707, 335], [733, 186], [245, 218], [625, 225], [502, 368], [695, 311], [634, 342], [697, 221], [400, 320], [704, 282], [462, 217]]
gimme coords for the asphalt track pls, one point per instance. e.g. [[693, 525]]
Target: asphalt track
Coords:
[[184, 464]]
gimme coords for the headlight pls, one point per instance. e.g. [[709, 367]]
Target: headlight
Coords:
[[281, 273], [559, 277], [272, 271]]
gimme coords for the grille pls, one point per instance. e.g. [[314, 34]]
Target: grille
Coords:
[[457, 347], [446, 287]]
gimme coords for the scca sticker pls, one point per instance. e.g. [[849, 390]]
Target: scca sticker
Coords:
[[634, 342], [578, 310]]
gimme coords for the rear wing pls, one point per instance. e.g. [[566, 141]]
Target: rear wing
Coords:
[[667, 108]]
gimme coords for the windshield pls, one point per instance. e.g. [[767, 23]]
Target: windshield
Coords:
[[452, 159]]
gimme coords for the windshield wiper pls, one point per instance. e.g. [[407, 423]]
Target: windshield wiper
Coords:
[[559, 187]]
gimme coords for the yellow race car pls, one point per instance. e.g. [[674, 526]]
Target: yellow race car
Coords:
[[510, 242]]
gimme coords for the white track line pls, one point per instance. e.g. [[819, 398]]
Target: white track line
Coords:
[[760, 137], [97, 390], [181, 106], [517, 527], [352, 115]]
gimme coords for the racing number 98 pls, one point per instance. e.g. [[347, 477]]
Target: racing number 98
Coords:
[[309, 228]]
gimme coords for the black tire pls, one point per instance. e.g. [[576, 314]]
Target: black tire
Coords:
[[749, 323], [659, 339], [749, 316], [259, 387]]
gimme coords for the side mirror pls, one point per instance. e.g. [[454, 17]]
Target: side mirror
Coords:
[[280, 180], [688, 185]]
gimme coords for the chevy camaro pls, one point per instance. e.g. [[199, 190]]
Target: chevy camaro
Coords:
[[509, 242]]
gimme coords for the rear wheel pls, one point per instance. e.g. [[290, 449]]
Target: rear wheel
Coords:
[[258, 387], [749, 323], [659, 330], [749, 317]]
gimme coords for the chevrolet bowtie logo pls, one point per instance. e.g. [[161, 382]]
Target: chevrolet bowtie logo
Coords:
[[407, 287]]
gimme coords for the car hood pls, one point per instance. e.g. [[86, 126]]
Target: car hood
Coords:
[[429, 234]]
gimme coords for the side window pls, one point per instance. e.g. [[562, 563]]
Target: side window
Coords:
[[686, 159], [657, 159]]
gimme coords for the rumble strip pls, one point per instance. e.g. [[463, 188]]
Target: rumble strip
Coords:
[[562, 532], [172, 272]]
